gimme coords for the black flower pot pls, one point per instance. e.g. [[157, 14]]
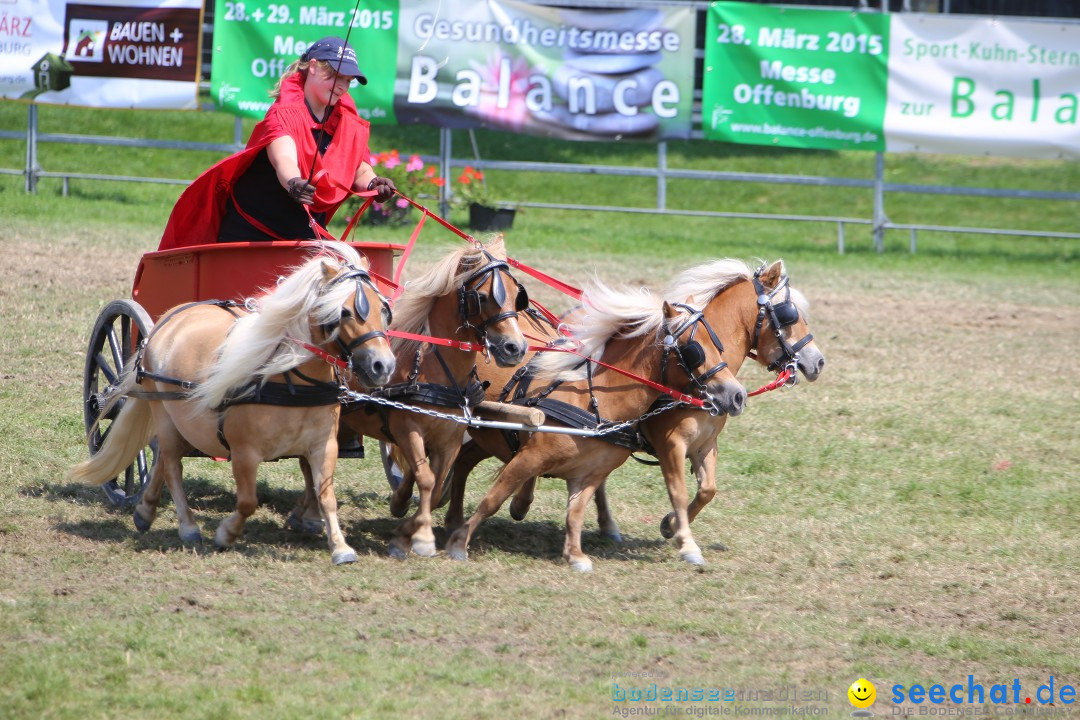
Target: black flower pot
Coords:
[[487, 219]]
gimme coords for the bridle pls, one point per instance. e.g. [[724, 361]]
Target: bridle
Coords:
[[361, 309], [780, 315], [691, 355], [469, 297]]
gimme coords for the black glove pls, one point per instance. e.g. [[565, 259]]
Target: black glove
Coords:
[[301, 191], [385, 187]]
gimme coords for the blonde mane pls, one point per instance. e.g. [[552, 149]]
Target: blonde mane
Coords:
[[412, 309], [256, 347], [698, 285], [608, 313]]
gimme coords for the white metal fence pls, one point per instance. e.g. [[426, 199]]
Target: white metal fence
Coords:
[[33, 172]]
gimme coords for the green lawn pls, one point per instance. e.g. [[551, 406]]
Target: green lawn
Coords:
[[910, 518]]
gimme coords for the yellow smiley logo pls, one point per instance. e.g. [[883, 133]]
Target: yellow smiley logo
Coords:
[[862, 693]]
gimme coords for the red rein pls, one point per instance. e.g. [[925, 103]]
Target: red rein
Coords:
[[781, 380]]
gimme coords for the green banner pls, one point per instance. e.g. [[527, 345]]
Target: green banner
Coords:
[[795, 77], [256, 40]]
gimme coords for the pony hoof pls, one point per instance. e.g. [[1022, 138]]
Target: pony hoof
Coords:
[[192, 537], [694, 558], [141, 524], [343, 557], [456, 554], [396, 552], [666, 528], [424, 548], [582, 566], [221, 542], [614, 536]]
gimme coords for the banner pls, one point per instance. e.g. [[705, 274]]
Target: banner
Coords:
[[794, 77], [983, 86], [255, 42], [108, 53], [569, 73]]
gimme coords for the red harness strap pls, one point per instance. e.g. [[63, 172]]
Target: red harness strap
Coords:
[[445, 342], [398, 288], [780, 381], [559, 285], [542, 277], [680, 396], [356, 216], [319, 352]]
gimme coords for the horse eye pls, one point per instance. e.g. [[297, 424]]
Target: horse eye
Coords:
[[345, 313], [482, 297]]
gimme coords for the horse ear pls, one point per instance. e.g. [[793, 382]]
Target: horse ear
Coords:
[[328, 271], [669, 311], [773, 275]]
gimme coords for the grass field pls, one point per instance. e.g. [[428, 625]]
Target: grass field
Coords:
[[911, 518]]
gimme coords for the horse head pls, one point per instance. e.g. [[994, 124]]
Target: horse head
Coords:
[[700, 358], [781, 336], [354, 316], [489, 300]]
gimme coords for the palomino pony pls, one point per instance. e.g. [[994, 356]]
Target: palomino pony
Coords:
[[766, 321], [251, 386], [633, 331], [469, 298]]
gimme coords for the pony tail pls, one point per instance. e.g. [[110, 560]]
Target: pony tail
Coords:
[[129, 433], [295, 67]]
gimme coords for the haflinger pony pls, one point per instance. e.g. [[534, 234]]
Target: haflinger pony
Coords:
[[634, 331], [766, 320], [775, 333], [471, 299], [250, 383]]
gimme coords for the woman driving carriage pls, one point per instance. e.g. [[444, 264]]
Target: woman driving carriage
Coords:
[[265, 191]]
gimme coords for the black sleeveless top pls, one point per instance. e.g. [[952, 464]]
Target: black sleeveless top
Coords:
[[262, 197]]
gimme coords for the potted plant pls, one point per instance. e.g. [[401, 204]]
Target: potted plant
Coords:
[[484, 214], [413, 180]]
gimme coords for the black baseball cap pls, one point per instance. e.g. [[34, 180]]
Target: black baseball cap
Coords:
[[341, 56]]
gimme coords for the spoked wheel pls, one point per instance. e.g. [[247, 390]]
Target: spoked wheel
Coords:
[[119, 329]]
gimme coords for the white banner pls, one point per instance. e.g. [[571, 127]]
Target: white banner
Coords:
[[983, 86], [101, 53]]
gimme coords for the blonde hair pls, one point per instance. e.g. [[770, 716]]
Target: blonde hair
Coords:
[[300, 66]]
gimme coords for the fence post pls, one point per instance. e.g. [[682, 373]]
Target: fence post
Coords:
[[238, 133], [840, 238], [661, 175], [879, 202], [445, 153], [32, 166]]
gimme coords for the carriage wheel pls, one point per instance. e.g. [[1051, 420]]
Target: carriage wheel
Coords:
[[119, 329]]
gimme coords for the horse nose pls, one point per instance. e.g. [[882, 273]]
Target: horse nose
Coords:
[[378, 369], [738, 401], [513, 349], [812, 369]]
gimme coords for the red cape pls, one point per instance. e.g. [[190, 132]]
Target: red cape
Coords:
[[196, 217]]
